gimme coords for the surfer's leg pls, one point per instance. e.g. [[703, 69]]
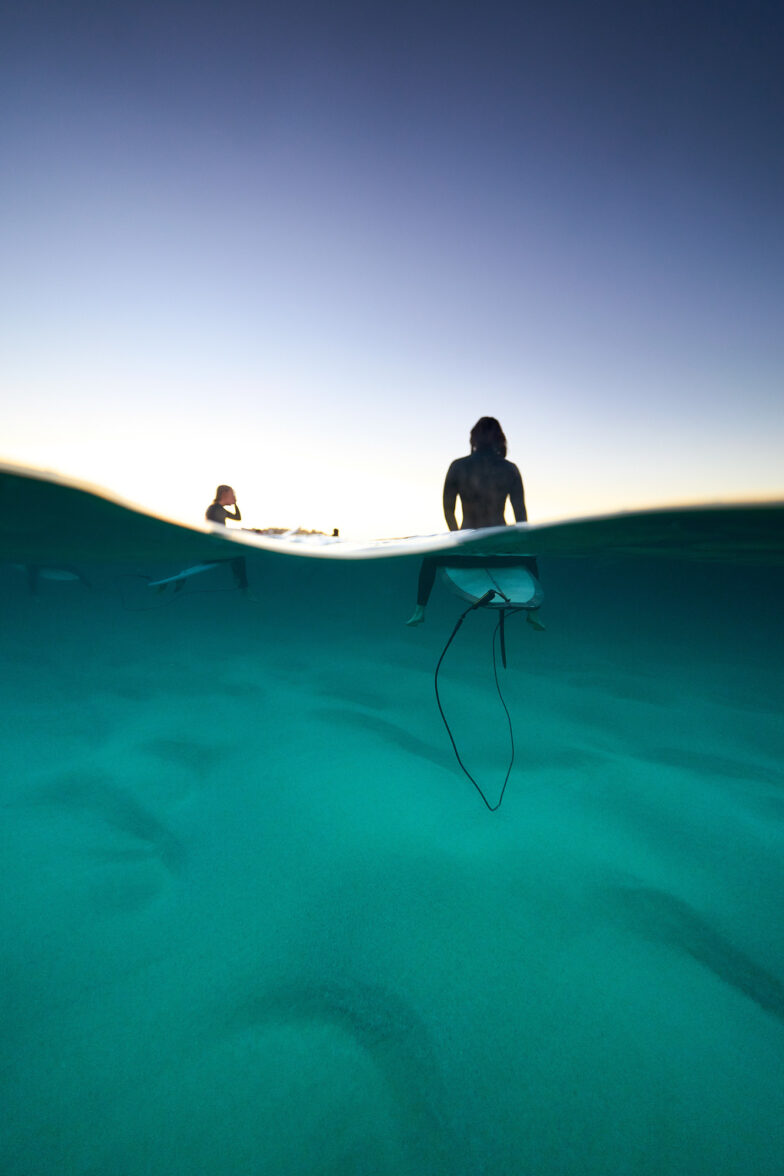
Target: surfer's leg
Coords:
[[427, 578], [240, 571]]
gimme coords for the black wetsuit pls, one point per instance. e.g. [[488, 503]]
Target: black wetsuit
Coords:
[[483, 480], [216, 513]]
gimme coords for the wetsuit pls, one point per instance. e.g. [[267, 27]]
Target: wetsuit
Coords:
[[216, 513]]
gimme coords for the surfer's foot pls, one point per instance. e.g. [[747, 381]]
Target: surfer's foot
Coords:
[[534, 620], [418, 615]]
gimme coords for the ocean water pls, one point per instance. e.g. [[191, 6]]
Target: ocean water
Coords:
[[256, 920]]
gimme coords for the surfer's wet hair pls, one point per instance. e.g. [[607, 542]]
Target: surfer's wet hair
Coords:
[[488, 434], [221, 490]]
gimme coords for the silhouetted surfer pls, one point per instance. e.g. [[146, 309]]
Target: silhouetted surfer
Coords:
[[217, 513], [483, 481]]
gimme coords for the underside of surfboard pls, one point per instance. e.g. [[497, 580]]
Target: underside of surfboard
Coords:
[[514, 587]]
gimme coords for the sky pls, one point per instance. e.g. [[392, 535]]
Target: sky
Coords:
[[301, 247]]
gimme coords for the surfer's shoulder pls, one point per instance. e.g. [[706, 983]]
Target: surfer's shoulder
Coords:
[[456, 469], [215, 513], [460, 464]]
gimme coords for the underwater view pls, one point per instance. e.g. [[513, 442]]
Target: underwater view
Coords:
[[255, 917]]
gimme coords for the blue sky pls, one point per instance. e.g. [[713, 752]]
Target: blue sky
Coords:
[[301, 248]]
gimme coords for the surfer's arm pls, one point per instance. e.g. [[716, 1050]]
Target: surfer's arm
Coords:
[[218, 514], [450, 497], [517, 496]]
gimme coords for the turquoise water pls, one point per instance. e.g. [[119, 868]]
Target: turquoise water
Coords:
[[256, 920]]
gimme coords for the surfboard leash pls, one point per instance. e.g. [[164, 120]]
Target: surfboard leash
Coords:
[[499, 631]]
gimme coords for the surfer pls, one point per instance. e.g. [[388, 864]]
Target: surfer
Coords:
[[483, 481], [217, 513]]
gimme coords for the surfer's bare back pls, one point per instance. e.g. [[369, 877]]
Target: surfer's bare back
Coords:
[[484, 480]]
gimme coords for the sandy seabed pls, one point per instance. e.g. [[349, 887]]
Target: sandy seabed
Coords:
[[255, 919]]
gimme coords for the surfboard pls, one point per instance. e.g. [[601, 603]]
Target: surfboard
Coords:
[[514, 587], [196, 570]]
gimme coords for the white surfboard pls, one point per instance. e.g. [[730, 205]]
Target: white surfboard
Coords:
[[196, 570], [514, 587]]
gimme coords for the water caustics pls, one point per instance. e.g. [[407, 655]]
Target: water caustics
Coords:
[[255, 917]]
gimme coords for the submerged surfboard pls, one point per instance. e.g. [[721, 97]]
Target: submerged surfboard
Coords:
[[196, 570], [514, 587]]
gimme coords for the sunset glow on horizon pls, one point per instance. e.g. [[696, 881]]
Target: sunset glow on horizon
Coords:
[[301, 252]]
